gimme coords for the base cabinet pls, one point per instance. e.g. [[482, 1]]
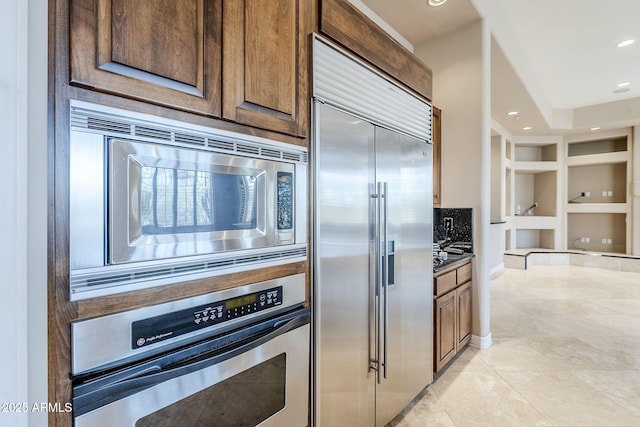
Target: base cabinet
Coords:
[[463, 307], [445, 329], [452, 314]]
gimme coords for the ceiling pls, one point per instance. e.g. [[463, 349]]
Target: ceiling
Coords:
[[553, 61]]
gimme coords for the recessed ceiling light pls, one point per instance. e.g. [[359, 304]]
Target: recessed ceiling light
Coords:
[[595, 128], [622, 89], [527, 128], [625, 43], [623, 84], [435, 3], [512, 113]]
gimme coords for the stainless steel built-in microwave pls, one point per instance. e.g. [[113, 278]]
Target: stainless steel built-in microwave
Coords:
[[154, 201]]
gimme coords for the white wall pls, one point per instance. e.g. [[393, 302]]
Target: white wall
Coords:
[[496, 249], [13, 92], [23, 282], [461, 74], [635, 226], [382, 24]]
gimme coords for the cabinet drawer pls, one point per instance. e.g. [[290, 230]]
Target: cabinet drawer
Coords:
[[464, 274], [445, 283]]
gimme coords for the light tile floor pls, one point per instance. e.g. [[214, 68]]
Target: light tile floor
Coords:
[[566, 352]]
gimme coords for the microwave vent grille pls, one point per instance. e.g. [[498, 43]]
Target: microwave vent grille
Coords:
[[221, 145], [190, 268], [271, 153], [146, 130], [155, 133], [296, 157], [107, 280], [152, 273], [102, 124], [271, 256], [247, 149], [219, 264], [166, 274], [185, 138]]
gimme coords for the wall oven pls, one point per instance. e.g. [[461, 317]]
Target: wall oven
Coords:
[[152, 200], [238, 357]]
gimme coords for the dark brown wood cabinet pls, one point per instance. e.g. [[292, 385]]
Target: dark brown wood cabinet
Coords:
[[452, 313], [238, 65], [345, 23], [436, 131], [463, 298], [265, 59], [241, 60], [445, 329], [163, 52]]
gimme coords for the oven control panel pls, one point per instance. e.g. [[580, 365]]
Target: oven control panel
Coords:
[[171, 325]]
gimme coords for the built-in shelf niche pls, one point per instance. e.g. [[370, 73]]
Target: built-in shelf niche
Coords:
[[551, 170], [602, 146], [605, 232], [536, 187], [602, 183], [536, 153], [534, 239]]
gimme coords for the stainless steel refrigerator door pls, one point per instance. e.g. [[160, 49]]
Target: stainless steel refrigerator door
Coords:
[[344, 160], [355, 163], [404, 167]]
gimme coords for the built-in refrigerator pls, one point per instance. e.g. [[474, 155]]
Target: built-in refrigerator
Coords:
[[372, 260]]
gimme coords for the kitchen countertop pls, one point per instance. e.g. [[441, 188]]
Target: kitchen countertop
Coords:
[[452, 262]]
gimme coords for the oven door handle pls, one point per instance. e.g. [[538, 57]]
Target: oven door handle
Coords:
[[90, 396]]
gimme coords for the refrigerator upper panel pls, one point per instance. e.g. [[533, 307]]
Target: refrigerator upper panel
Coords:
[[342, 80]]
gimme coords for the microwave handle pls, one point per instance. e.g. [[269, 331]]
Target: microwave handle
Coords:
[[96, 396], [134, 190]]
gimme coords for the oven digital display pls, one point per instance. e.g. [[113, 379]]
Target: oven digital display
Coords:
[[240, 301], [171, 325]]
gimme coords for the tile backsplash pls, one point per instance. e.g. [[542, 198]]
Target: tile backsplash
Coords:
[[455, 224]]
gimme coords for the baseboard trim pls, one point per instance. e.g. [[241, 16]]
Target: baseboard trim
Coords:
[[496, 271], [482, 343]]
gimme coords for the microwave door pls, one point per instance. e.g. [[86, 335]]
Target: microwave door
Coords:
[[168, 202], [172, 201]]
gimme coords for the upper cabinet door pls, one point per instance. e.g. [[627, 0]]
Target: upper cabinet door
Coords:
[[165, 52], [265, 64]]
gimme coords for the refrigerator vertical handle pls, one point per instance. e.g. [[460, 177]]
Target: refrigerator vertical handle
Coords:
[[385, 277], [378, 281]]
